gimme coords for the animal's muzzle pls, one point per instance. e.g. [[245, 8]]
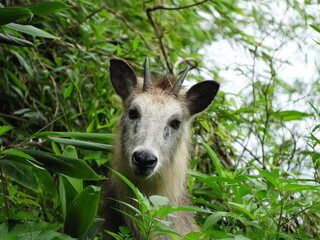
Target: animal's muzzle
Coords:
[[144, 162]]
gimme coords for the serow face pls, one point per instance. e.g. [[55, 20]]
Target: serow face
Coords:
[[153, 127], [155, 119]]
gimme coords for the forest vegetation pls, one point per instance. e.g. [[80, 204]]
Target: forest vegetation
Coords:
[[254, 170]]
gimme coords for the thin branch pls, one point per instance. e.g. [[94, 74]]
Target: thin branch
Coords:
[[159, 36], [130, 26], [123, 19], [12, 117], [84, 20], [187, 59], [157, 30], [176, 8], [34, 143]]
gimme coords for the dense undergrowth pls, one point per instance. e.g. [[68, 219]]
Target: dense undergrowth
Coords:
[[255, 160]]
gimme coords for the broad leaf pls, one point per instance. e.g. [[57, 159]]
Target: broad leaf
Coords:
[[11, 14], [20, 173], [82, 211], [43, 8], [72, 167]]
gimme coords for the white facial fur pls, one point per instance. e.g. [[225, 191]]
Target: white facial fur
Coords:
[[156, 129]]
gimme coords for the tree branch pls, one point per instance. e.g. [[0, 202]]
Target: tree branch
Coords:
[[159, 33], [123, 19], [176, 8]]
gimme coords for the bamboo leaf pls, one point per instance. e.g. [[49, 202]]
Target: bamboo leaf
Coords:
[[72, 167], [82, 144], [92, 137], [31, 30], [4, 129], [44, 8], [215, 160], [17, 153], [11, 14], [271, 177], [136, 191], [15, 79], [315, 28], [21, 173], [8, 39], [290, 115], [213, 219]]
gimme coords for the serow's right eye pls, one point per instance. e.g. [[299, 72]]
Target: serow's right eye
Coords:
[[134, 114]]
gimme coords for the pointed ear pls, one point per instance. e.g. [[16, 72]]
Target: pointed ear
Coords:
[[123, 78], [200, 96]]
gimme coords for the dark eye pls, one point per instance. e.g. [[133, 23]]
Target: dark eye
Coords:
[[175, 124], [134, 114]]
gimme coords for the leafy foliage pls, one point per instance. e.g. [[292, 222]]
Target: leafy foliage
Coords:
[[255, 168]]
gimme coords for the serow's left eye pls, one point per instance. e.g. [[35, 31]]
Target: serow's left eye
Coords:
[[175, 124]]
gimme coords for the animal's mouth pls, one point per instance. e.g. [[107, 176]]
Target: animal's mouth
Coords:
[[143, 163]]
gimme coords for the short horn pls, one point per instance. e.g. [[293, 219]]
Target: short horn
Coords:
[[147, 80], [176, 88]]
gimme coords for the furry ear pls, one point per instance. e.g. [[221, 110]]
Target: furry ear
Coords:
[[200, 96], [123, 78]]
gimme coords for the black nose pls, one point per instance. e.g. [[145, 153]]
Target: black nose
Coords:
[[144, 160]]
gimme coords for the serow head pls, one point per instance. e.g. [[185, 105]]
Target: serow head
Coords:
[[155, 121]]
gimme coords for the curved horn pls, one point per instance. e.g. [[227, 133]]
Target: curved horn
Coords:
[[147, 80], [176, 88]]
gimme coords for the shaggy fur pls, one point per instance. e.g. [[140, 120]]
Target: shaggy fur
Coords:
[[152, 131]]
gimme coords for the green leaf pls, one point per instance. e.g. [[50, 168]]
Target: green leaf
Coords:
[[164, 211], [71, 152], [31, 30], [94, 229], [67, 92], [36, 231], [46, 182], [4, 129], [158, 201], [82, 211], [242, 208], [17, 153], [293, 187], [290, 115], [136, 191], [82, 144], [4, 231], [8, 39], [215, 160], [44, 8], [67, 193], [271, 177], [213, 219], [72, 167], [11, 14], [135, 43], [15, 79], [222, 179], [21, 173], [92, 137], [315, 28]]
